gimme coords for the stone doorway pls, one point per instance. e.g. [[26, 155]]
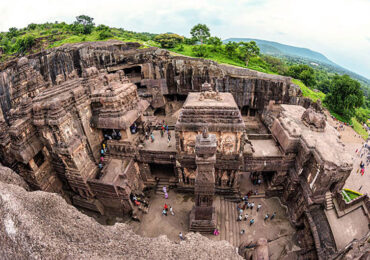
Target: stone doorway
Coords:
[[162, 171]]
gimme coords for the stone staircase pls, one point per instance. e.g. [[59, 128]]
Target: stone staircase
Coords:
[[226, 222], [328, 201], [162, 182]]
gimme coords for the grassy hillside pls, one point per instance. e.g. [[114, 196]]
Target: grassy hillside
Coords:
[[36, 37], [275, 48]]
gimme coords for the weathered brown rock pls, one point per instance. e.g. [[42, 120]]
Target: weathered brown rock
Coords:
[[41, 225], [316, 121]]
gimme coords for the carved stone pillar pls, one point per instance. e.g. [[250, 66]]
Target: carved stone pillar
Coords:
[[203, 216]]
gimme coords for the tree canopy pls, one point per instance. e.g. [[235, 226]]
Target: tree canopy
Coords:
[[345, 95], [168, 40], [200, 32], [248, 50], [83, 24], [304, 73]]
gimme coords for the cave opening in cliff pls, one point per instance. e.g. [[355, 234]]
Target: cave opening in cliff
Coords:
[[162, 171], [160, 111], [245, 110], [133, 73], [39, 159]]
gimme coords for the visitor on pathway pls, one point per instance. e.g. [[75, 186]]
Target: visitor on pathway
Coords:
[[164, 212], [102, 151], [252, 205], [101, 159], [181, 236], [245, 199], [162, 132], [171, 211], [216, 232], [246, 216], [165, 207], [100, 166], [248, 205], [166, 195], [266, 217], [164, 189], [251, 222], [259, 207], [242, 232], [169, 136], [241, 211], [146, 135], [273, 215], [152, 137]]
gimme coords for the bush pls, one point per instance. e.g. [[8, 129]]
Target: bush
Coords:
[[200, 51], [23, 44], [104, 35], [303, 72], [168, 40], [31, 26]]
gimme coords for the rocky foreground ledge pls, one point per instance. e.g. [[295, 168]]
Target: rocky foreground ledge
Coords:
[[41, 225]]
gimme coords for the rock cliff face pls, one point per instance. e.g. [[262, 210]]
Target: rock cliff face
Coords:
[[155, 70], [41, 225]]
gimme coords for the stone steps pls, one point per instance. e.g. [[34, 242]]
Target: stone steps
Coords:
[[228, 226], [329, 201]]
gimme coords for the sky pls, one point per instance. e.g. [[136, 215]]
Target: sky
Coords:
[[339, 29]]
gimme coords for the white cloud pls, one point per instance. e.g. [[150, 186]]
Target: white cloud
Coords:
[[337, 28]]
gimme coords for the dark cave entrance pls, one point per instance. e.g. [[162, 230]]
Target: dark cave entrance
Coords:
[[162, 171]]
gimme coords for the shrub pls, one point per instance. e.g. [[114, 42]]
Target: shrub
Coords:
[[104, 35], [200, 51], [23, 44], [168, 40]]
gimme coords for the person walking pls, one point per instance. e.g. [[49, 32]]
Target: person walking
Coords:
[[164, 212], [259, 207], [152, 137], [239, 218], [165, 207], [171, 211], [266, 217], [252, 205], [181, 236], [273, 215], [251, 222], [246, 216]]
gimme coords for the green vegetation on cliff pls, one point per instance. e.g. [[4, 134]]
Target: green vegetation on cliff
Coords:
[[315, 82]]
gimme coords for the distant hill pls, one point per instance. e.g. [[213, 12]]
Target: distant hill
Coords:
[[301, 55]]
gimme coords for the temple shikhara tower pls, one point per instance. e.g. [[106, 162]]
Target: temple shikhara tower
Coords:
[[203, 217]]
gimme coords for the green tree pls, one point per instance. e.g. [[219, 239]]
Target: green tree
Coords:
[[215, 43], [345, 95], [168, 40], [105, 34], [248, 50], [83, 24], [13, 32], [324, 86], [200, 32], [230, 49], [303, 72]]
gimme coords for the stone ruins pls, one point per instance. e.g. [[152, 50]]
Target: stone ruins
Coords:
[[63, 109]]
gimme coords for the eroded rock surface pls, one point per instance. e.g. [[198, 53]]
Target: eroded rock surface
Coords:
[[41, 225]]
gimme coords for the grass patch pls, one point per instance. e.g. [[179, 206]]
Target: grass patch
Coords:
[[349, 195], [357, 126], [307, 92]]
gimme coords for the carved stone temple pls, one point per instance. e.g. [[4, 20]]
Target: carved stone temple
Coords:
[[203, 217], [61, 107]]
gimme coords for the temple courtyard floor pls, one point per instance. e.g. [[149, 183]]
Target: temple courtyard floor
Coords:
[[278, 231]]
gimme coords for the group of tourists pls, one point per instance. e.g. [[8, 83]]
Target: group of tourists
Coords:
[[166, 209], [112, 134], [103, 150], [364, 150], [256, 178], [165, 129], [245, 205]]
